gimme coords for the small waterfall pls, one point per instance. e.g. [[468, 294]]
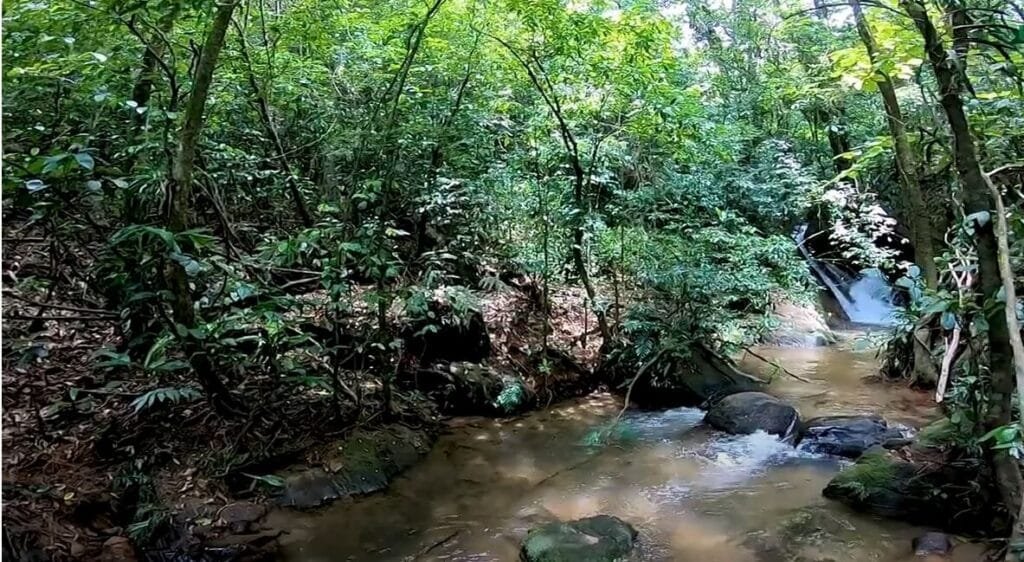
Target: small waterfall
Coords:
[[866, 298]]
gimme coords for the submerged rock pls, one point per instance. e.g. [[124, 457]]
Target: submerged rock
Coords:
[[847, 436], [364, 463], [748, 412], [955, 495], [240, 517], [933, 546], [803, 536], [118, 549], [602, 538]]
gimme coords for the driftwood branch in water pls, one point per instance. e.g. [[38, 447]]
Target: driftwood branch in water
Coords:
[[629, 392], [427, 550], [640, 373], [776, 365]]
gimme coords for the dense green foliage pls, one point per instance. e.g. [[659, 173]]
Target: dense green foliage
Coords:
[[204, 173], [429, 147]]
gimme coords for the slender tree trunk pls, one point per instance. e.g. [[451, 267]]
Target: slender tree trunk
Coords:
[[541, 81], [914, 208], [392, 154], [978, 203], [142, 91], [263, 108], [838, 141], [178, 208], [1015, 548], [578, 233], [135, 211], [906, 163]]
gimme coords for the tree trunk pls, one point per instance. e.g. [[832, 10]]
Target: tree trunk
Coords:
[[1015, 548], [577, 255], [263, 108], [178, 209], [837, 140], [142, 91], [535, 70], [914, 207], [978, 204], [138, 335]]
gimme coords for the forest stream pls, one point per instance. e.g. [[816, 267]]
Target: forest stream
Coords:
[[694, 493], [260, 262]]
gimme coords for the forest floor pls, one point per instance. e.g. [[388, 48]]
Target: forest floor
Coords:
[[85, 476]]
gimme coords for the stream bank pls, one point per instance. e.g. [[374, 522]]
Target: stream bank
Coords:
[[692, 492], [471, 487]]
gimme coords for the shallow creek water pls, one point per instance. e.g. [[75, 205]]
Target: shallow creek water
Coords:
[[695, 494]]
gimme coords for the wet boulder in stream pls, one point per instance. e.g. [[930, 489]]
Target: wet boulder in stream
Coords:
[[847, 435], [748, 412], [799, 325], [932, 546], [954, 494], [601, 538]]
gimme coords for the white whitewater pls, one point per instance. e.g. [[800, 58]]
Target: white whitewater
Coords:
[[866, 299]]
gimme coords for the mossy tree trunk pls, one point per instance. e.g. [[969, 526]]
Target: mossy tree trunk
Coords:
[[978, 204], [915, 211], [914, 208], [178, 208]]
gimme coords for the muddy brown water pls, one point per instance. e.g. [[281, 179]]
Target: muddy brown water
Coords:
[[695, 494]]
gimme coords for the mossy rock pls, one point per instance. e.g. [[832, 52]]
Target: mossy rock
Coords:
[[939, 433], [955, 495], [602, 538], [365, 462]]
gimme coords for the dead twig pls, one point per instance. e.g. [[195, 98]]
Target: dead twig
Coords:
[[563, 471], [629, 391], [93, 311], [963, 281], [61, 318]]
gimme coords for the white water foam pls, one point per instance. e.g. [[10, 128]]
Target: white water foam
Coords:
[[736, 458], [866, 299]]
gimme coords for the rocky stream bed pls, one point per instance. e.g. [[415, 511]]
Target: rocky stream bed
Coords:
[[816, 471]]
